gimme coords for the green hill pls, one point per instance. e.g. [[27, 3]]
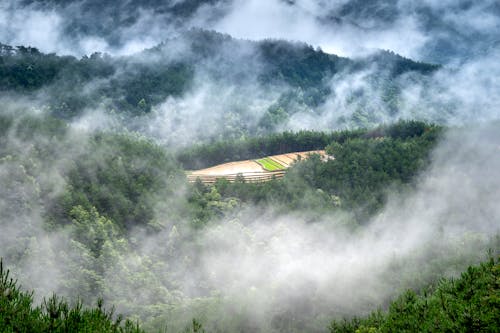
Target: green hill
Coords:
[[295, 77], [470, 303]]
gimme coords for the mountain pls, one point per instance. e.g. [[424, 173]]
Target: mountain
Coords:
[[438, 32], [289, 77], [107, 108]]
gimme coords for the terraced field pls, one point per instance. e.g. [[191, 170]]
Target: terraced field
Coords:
[[270, 164], [252, 171]]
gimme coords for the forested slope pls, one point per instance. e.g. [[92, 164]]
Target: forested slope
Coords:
[[288, 77], [18, 313], [446, 38], [108, 214], [469, 303], [95, 202], [105, 105]]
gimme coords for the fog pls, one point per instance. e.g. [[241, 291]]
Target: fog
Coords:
[[319, 25], [277, 265], [266, 268], [437, 31], [259, 269], [446, 32], [209, 112], [454, 95]]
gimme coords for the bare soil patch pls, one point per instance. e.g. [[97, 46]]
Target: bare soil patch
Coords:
[[250, 170]]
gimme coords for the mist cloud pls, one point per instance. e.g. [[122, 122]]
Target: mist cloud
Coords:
[[30, 27], [437, 31], [264, 266], [443, 31], [259, 265], [305, 21]]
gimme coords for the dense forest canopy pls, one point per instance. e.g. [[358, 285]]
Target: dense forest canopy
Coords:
[[463, 304], [133, 86], [106, 189], [107, 108]]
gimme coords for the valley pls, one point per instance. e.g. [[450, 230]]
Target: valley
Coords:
[[249, 166]]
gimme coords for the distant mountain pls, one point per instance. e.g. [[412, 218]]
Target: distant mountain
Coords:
[[292, 77], [448, 35], [446, 30], [110, 19]]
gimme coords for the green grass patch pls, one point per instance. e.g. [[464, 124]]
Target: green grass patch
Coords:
[[270, 164]]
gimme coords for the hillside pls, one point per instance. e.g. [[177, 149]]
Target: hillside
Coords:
[[465, 304], [259, 170], [19, 313], [469, 302], [361, 21], [262, 85], [109, 214], [249, 166]]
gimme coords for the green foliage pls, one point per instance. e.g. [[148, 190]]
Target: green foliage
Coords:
[[298, 64], [204, 155], [270, 164], [100, 191], [134, 85], [123, 176], [470, 303], [364, 167], [397, 65], [93, 230], [19, 314], [207, 204], [366, 163], [24, 70]]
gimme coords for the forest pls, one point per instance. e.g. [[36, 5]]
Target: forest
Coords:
[[111, 112], [107, 189], [134, 86]]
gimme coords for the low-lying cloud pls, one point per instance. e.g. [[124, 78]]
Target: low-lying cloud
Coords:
[[264, 266], [437, 31], [269, 266]]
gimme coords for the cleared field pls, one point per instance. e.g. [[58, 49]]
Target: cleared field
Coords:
[[270, 164], [256, 177], [288, 159], [252, 171]]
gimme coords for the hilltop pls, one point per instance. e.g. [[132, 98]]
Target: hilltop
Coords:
[[262, 85]]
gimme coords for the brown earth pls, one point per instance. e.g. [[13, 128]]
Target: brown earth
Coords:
[[288, 159], [250, 170]]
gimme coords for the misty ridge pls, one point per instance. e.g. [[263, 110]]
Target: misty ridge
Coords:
[[433, 31], [105, 106], [208, 83]]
